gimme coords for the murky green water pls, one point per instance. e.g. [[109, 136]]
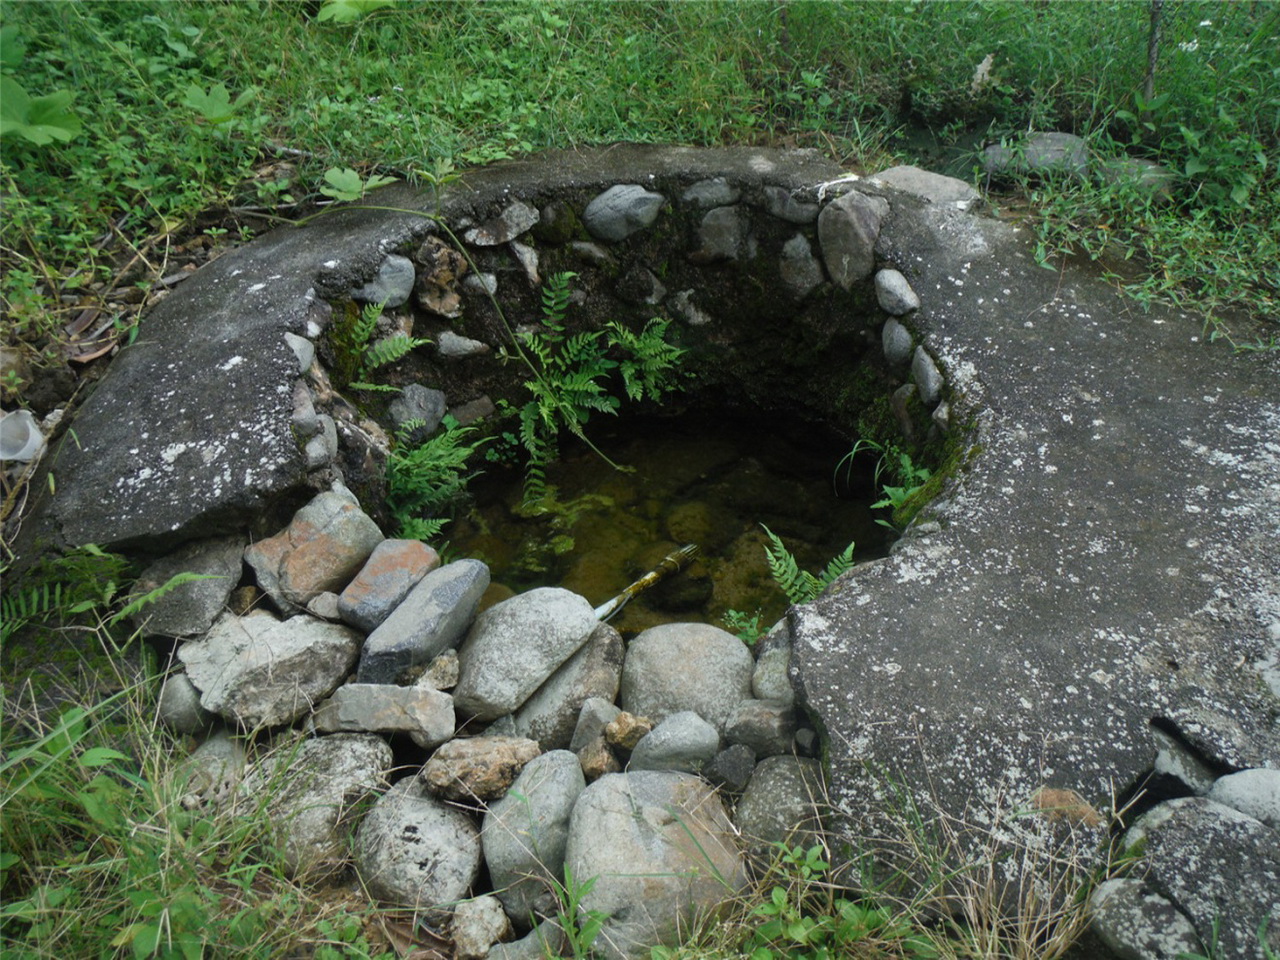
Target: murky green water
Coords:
[[705, 478]]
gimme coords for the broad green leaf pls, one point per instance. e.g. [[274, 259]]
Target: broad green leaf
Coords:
[[101, 756], [344, 184], [349, 11], [13, 47], [38, 120], [215, 105]]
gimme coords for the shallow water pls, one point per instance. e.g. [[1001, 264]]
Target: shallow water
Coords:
[[709, 478]]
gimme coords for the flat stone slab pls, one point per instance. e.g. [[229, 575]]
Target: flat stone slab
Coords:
[[1107, 557]]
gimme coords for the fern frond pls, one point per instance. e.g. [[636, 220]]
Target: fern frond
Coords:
[[798, 585], [374, 387], [838, 565], [390, 350], [177, 580], [362, 332], [555, 299]]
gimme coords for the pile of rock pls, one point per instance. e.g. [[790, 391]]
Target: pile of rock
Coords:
[[528, 740]]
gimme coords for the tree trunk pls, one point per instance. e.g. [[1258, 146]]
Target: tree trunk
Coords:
[[1153, 50]]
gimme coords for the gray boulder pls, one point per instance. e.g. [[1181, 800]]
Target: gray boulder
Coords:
[[895, 341], [1219, 867], [178, 706], [392, 285], [928, 380], [259, 671], [1138, 924], [662, 852], [1145, 177], [1040, 153], [516, 218], [799, 268], [683, 742], [1253, 792], [514, 646], [781, 204], [769, 680], [731, 769], [547, 939], [595, 715], [393, 569], [424, 714], [933, 187], [477, 925], [431, 619], [783, 803], [414, 851], [323, 547], [723, 235], [551, 714], [525, 833], [210, 777], [314, 790], [894, 294], [686, 666], [848, 228], [715, 192], [189, 610], [417, 402], [767, 726], [454, 346], [622, 210]]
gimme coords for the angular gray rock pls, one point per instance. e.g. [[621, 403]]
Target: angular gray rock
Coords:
[[210, 777], [424, 714], [392, 285], [894, 293], [178, 706], [683, 742], [1144, 177], [547, 939], [799, 268], [323, 547], [723, 235], [477, 768], [477, 925], [314, 790], [525, 833], [417, 402], [1040, 153], [1219, 867], [781, 204], [414, 851], [432, 618], [622, 210], [783, 803], [1138, 924], [259, 671], [928, 380], [767, 726], [1255, 793], [661, 851], [514, 646], [686, 666], [393, 569], [769, 680], [731, 769], [595, 715], [551, 714], [453, 346], [1175, 760], [933, 187], [895, 341], [848, 228], [514, 220], [189, 609], [715, 192]]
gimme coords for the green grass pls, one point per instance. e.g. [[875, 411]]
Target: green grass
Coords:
[[186, 107]]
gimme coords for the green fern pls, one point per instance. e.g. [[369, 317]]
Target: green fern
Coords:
[[801, 586], [427, 479], [390, 350], [572, 375]]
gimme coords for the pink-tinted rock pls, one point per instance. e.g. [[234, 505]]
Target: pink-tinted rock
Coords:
[[481, 768], [393, 569]]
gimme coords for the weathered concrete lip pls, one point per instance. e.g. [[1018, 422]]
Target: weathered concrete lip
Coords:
[[1110, 555]]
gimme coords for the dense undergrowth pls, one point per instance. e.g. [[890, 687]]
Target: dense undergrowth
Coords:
[[131, 131]]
